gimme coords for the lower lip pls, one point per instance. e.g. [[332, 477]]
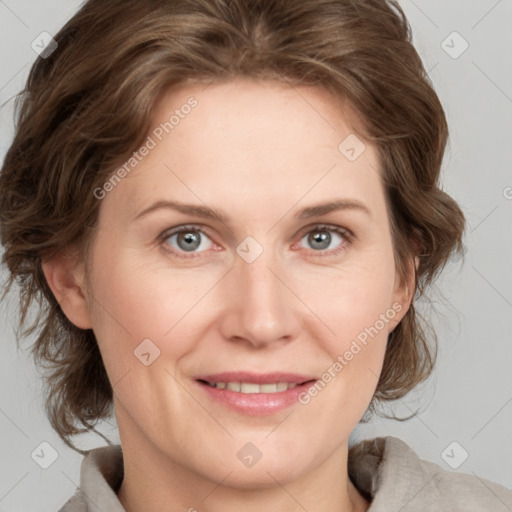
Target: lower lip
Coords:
[[256, 404]]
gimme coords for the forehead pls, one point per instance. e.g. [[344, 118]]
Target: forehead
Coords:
[[244, 143]]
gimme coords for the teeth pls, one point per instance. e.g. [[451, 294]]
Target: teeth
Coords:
[[233, 386], [251, 387]]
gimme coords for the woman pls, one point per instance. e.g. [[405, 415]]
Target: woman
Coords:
[[227, 210]]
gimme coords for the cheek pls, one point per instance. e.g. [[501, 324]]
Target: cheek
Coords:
[[137, 317], [134, 299], [361, 322], [354, 299], [360, 315], [356, 305]]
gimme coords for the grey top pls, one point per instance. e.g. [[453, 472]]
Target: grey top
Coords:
[[385, 470]]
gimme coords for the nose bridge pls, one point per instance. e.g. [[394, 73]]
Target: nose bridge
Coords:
[[259, 280], [253, 263], [260, 308]]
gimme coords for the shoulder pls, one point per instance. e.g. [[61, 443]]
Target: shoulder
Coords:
[[101, 474], [393, 477], [76, 503]]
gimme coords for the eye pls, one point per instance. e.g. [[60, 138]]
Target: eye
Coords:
[[186, 239], [322, 237]]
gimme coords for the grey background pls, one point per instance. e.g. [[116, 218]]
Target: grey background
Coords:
[[469, 398]]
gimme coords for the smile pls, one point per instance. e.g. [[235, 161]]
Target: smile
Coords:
[[252, 394]]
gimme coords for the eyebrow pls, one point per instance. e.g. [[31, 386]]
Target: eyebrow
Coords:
[[206, 212], [337, 204]]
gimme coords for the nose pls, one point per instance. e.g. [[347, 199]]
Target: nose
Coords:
[[260, 307]]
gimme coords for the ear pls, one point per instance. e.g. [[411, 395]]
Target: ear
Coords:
[[404, 292], [65, 276]]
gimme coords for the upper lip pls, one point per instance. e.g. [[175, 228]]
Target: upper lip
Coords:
[[257, 378]]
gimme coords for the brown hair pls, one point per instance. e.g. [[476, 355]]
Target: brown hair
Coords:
[[88, 105]]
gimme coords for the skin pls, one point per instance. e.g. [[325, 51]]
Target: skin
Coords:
[[260, 152]]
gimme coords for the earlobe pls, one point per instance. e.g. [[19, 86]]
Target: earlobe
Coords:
[[65, 277]]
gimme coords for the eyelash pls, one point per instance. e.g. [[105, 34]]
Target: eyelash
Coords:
[[345, 233]]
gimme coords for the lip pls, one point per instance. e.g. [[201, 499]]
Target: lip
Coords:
[[255, 404]]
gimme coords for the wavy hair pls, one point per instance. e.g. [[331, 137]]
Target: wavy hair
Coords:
[[88, 104]]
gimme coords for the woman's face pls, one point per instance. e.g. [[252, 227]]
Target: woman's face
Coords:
[[281, 285]]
